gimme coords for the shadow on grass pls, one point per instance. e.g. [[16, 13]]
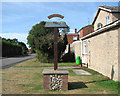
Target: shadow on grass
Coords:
[[76, 85]]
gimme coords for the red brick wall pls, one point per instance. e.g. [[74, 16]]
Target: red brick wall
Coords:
[[86, 30], [65, 82], [81, 33], [70, 37], [46, 82]]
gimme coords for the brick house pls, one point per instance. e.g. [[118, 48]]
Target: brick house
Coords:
[[86, 30], [71, 37], [100, 50], [77, 44]]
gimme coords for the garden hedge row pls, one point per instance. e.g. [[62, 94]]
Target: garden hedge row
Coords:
[[10, 49]]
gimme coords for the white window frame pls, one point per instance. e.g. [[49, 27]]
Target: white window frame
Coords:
[[107, 20], [85, 48], [99, 25], [74, 37]]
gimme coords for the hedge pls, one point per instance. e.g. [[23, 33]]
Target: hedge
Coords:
[[10, 49]]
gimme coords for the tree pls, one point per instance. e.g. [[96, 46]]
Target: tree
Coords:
[[42, 40], [12, 47], [15, 41], [65, 39], [24, 47]]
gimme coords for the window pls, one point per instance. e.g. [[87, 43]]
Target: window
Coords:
[[99, 25], [85, 47], [107, 20], [74, 37]]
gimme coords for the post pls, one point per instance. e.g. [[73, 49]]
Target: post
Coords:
[[55, 48]]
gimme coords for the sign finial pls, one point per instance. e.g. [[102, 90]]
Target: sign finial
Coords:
[[55, 15]]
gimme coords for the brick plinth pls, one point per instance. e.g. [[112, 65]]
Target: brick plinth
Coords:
[[48, 73], [65, 82]]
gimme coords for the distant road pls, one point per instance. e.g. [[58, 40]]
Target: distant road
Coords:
[[8, 62]]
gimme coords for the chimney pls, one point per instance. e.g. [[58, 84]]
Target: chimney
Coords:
[[75, 30]]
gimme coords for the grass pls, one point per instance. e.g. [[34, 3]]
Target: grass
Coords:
[[30, 81], [35, 63]]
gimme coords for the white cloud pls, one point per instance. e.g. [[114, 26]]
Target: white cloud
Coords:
[[19, 36], [22, 37]]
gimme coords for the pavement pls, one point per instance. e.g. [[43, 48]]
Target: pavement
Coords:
[[77, 71], [8, 62], [67, 67], [81, 72]]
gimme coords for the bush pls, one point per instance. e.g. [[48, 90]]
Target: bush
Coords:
[[68, 57], [10, 49], [42, 40], [43, 57]]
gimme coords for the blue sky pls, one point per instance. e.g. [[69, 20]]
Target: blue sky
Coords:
[[19, 17]]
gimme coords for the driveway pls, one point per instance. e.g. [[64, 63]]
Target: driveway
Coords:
[[8, 62]]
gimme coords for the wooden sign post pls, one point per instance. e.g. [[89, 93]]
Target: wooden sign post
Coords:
[[56, 25], [50, 76], [55, 48]]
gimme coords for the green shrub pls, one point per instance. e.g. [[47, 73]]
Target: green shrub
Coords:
[[43, 57], [10, 49], [42, 40], [68, 57]]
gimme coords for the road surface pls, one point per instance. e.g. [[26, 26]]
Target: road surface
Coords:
[[8, 62]]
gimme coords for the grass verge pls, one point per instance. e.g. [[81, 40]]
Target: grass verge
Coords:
[[35, 63], [30, 81]]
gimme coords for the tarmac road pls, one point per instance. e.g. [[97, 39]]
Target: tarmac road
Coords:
[[8, 62]]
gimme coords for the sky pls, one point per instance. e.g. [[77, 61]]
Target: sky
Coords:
[[19, 17]]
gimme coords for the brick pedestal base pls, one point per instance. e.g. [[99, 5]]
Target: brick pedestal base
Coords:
[[55, 79]]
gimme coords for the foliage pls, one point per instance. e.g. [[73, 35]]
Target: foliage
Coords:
[[41, 56], [65, 39], [92, 26], [12, 47], [68, 57], [42, 40], [24, 47], [11, 40], [37, 34]]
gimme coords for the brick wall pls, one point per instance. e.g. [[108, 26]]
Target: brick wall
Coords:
[[86, 30], [70, 38], [102, 53]]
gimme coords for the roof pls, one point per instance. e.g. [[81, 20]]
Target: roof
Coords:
[[110, 9], [85, 27], [116, 23], [56, 24], [70, 33]]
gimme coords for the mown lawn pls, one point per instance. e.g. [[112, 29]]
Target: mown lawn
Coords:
[[35, 63], [30, 81]]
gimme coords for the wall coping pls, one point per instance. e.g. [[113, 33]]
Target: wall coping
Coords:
[[52, 71], [101, 30]]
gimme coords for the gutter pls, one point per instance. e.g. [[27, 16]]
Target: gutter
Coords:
[[112, 11], [102, 29], [105, 9]]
